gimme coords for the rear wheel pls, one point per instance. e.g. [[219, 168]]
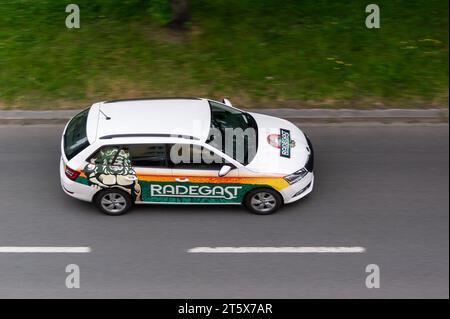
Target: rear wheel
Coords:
[[113, 202], [263, 201]]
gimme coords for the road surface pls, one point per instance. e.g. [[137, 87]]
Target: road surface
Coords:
[[381, 187]]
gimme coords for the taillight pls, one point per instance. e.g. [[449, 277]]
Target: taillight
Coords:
[[71, 174]]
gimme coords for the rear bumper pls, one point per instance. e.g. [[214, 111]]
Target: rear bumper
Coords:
[[74, 189], [298, 190]]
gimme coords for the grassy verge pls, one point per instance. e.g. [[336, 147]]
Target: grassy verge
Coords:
[[292, 53]]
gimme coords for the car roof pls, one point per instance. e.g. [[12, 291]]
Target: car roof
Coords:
[[188, 117]]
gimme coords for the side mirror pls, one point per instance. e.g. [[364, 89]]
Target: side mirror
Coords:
[[227, 102], [224, 170]]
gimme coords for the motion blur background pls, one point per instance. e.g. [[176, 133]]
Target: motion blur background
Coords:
[[260, 53], [381, 185]]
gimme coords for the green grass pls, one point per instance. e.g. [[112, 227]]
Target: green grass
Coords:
[[291, 53]]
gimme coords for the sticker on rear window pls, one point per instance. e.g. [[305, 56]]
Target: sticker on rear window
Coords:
[[285, 143]]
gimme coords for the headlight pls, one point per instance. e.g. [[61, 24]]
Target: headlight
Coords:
[[295, 177]]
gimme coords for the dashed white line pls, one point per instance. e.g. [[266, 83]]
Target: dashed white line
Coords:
[[298, 250], [35, 249]]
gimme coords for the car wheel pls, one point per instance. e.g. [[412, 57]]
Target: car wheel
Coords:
[[113, 202], [263, 201]]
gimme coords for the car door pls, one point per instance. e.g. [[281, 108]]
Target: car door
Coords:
[[150, 164], [196, 179]]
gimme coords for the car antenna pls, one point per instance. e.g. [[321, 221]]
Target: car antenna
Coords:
[[106, 116]]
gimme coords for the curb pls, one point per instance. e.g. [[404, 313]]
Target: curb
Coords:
[[24, 117], [355, 116]]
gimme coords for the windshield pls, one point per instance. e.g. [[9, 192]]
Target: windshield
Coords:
[[75, 139], [233, 132]]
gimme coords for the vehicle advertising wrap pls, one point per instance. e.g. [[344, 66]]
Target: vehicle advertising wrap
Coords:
[[193, 193], [285, 143], [282, 141], [98, 173], [164, 188], [203, 189]]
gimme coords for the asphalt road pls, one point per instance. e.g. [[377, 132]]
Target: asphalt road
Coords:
[[382, 187]]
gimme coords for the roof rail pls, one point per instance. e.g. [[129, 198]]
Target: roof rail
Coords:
[[154, 98], [148, 135]]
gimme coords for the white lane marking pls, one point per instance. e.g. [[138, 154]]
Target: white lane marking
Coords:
[[245, 250], [34, 249]]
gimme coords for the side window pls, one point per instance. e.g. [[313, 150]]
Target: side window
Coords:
[[110, 155], [188, 156], [148, 155]]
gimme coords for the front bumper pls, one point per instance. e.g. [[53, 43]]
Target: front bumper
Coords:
[[305, 186], [298, 190]]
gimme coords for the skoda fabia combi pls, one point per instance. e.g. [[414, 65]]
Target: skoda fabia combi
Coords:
[[183, 151]]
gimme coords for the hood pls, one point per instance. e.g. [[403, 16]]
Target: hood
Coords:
[[273, 158]]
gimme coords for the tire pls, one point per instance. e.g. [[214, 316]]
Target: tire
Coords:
[[113, 201], [263, 201]]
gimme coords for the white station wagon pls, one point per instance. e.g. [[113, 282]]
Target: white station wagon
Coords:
[[183, 151]]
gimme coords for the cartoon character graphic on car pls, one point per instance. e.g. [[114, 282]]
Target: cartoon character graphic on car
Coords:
[[111, 167]]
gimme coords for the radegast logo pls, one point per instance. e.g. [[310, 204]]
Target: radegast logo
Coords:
[[224, 192], [285, 143]]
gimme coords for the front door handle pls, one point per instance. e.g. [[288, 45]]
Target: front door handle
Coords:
[[182, 180]]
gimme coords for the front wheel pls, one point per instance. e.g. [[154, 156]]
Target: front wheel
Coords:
[[263, 201], [113, 202]]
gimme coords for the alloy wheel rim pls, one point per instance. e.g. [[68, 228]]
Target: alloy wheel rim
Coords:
[[263, 201], [113, 202]]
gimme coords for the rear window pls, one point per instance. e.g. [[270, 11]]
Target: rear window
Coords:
[[75, 139]]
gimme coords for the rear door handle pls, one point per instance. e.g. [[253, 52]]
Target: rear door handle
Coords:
[[182, 180]]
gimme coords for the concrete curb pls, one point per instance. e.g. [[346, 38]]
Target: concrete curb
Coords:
[[296, 115]]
